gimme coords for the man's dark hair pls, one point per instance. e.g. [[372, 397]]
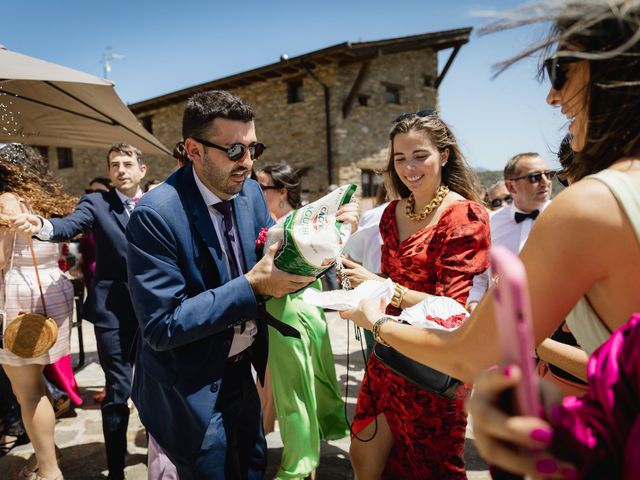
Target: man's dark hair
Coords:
[[101, 180], [126, 149], [204, 107]]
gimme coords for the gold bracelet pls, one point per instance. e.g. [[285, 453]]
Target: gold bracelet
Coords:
[[398, 295], [376, 330]]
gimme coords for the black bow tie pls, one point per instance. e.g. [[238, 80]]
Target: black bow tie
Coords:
[[521, 217]]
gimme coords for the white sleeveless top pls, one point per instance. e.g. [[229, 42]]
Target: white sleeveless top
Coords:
[[585, 324]]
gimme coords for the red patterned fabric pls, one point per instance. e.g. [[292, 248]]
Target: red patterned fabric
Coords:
[[428, 429]]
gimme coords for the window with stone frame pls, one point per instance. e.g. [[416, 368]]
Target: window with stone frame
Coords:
[[370, 182], [363, 99], [429, 81], [392, 94], [147, 123], [65, 158], [295, 93]]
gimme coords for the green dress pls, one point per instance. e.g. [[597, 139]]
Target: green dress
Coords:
[[308, 402]]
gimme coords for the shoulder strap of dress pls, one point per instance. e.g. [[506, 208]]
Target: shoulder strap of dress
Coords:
[[627, 194]]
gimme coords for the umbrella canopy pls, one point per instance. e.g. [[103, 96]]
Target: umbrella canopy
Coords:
[[42, 103]]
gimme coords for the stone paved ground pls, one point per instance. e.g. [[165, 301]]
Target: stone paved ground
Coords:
[[80, 436]]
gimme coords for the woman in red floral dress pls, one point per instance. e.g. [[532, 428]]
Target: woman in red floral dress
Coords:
[[436, 238]]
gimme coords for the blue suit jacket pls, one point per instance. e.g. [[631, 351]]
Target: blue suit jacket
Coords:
[[108, 303], [186, 303]]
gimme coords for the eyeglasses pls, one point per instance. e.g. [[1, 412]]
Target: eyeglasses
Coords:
[[268, 187], [499, 201], [536, 177], [421, 113], [556, 68], [237, 150]]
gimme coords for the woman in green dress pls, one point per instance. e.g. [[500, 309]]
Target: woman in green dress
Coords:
[[307, 399]]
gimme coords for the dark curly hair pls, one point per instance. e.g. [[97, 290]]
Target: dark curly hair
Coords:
[[24, 172]]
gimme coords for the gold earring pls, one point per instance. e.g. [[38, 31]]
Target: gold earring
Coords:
[[281, 204]]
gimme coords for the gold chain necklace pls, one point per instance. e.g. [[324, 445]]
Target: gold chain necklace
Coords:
[[433, 204]]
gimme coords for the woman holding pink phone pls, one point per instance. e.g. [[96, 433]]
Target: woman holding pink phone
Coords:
[[583, 255]]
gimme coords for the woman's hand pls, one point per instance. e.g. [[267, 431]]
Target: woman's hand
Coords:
[[514, 443], [367, 313], [349, 213], [356, 273]]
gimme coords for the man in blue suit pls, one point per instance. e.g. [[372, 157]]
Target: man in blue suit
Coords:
[[108, 305], [196, 282]]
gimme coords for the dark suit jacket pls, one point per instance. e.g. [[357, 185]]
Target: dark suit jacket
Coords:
[[186, 304], [108, 303]]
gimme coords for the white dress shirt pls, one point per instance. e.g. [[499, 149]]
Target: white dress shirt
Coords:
[[241, 339], [364, 245], [46, 231], [506, 232]]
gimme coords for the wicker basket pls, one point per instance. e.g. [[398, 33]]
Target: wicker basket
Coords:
[[30, 335]]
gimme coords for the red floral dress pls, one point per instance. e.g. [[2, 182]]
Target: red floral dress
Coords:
[[429, 430]]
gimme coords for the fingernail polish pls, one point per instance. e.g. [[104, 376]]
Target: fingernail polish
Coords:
[[569, 473], [547, 465], [542, 434], [507, 371]]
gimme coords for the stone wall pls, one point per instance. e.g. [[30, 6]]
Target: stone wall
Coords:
[[295, 132]]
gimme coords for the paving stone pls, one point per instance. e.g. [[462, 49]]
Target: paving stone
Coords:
[[79, 436]]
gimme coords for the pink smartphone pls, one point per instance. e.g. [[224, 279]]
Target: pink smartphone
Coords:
[[513, 318]]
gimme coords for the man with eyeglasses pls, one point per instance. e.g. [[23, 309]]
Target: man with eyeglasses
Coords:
[[498, 196], [197, 283], [528, 181]]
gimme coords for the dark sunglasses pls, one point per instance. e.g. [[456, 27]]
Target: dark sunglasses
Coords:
[[268, 187], [498, 202], [236, 151], [536, 177], [556, 68], [421, 113]]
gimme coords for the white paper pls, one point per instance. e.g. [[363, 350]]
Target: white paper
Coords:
[[349, 299], [435, 306]]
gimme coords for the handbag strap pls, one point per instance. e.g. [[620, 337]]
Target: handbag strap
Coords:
[[35, 265]]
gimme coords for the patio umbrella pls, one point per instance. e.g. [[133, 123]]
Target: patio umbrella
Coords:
[[43, 103]]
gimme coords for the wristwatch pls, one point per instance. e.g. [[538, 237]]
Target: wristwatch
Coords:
[[376, 330]]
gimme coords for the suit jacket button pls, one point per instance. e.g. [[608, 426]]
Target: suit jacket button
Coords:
[[227, 343], [214, 387]]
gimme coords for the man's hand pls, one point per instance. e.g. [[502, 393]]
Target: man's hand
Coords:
[[266, 279], [349, 213], [27, 224]]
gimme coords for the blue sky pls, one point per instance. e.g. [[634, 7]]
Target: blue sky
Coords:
[[173, 45]]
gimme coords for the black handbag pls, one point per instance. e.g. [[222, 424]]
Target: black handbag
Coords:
[[420, 375]]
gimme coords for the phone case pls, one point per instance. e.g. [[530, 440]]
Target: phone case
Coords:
[[513, 318]]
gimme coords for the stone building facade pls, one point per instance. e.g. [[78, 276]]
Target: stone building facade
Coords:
[[361, 86]]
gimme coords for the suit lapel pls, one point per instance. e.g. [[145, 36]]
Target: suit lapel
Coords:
[[202, 221], [117, 209], [244, 225]]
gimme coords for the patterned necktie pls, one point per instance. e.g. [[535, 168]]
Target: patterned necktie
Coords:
[[130, 204], [521, 217], [227, 221]]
